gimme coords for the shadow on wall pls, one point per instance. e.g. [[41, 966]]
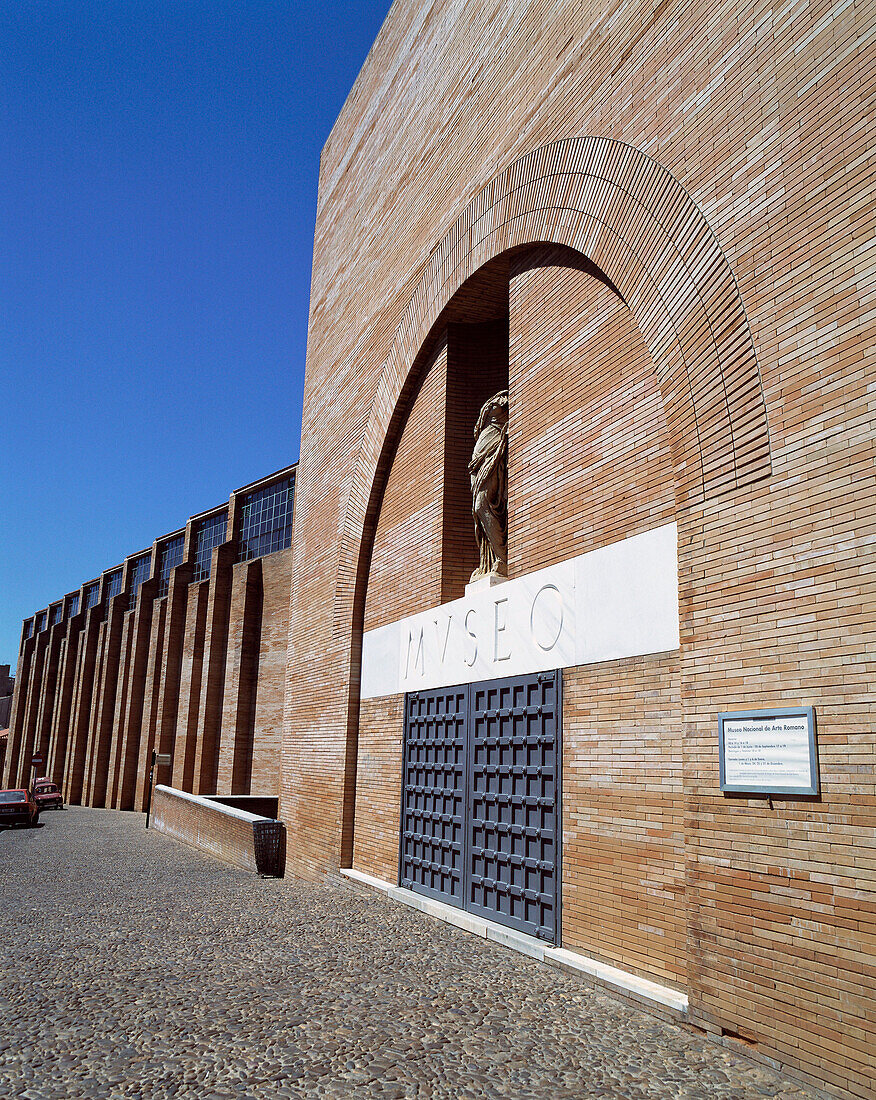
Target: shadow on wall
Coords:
[[263, 805]]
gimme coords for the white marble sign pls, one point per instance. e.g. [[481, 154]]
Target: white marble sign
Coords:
[[619, 601], [769, 752]]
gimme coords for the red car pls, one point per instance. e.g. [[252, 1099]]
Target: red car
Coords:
[[46, 794], [17, 807]]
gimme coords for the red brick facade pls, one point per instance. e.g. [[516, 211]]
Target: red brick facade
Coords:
[[692, 345], [197, 674], [653, 227]]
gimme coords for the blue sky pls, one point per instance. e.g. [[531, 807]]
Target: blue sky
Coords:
[[158, 176]]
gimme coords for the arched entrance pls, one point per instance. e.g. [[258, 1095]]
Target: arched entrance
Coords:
[[627, 220]]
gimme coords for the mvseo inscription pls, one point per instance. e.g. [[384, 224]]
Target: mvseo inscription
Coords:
[[492, 633], [618, 601]]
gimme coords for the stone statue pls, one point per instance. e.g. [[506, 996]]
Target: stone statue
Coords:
[[489, 486]]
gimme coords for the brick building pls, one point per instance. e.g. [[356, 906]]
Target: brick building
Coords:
[[7, 686], [179, 649], [654, 227]]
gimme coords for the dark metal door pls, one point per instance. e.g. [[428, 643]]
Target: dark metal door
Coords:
[[433, 801], [513, 801], [480, 802]]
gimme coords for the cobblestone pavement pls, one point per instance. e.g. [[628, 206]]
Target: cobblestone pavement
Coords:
[[138, 967]]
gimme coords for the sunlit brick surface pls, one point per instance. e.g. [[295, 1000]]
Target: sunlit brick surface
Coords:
[[715, 163], [589, 460], [196, 674]]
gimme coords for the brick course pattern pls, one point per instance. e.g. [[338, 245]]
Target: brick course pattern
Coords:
[[197, 674], [709, 343], [224, 833]]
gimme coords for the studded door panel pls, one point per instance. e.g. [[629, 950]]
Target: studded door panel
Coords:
[[513, 802], [433, 798], [480, 799]]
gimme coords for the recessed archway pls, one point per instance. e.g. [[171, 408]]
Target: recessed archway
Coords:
[[626, 215]]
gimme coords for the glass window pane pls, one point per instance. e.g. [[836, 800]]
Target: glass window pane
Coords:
[[140, 570], [209, 534], [266, 520], [170, 554], [112, 584]]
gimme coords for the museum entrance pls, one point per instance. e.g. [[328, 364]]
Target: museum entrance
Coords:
[[480, 799]]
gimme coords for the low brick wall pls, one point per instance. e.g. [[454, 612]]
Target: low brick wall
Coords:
[[223, 831]]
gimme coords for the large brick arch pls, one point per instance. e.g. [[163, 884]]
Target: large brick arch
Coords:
[[634, 222], [627, 215]]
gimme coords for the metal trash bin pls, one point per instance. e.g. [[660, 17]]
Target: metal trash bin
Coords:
[[268, 839]]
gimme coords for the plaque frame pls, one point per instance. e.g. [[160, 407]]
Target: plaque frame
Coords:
[[771, 789]]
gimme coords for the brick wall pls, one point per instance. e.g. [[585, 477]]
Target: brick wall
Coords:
[[190, 687], [221, 831], [198, 674], [424, 543], [378, 787], [405, 569], [782, 900], [478, 369], [241, 676], [587, 428], [588, 449], [624, 816], [271, 677], [761, 118]]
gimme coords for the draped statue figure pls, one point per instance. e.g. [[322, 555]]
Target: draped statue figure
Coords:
[[489, 486]]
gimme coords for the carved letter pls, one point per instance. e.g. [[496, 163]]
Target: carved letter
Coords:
[[551, 619], [443, 645], [501, 625], [474, 653], [418, 654]]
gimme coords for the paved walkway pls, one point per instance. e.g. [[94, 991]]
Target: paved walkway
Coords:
[[137, 967]]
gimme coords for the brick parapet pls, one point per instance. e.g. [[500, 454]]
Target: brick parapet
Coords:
[[223, 831]]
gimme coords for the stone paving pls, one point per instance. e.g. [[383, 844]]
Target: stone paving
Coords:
[[138, 967]]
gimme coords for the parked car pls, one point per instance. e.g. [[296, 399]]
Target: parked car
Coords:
[[46, 794], [17, 807]]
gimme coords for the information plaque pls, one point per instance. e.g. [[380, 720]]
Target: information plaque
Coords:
[[768, 751]]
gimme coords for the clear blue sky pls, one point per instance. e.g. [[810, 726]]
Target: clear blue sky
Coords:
[[159, 164]]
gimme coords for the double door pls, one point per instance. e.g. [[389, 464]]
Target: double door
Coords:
[[480, 799]]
